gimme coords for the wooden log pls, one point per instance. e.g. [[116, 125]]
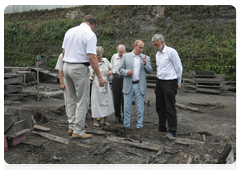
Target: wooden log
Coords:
[[14, 98], [41, 128], [52, 137], [18, 80], [182, 106], [97, 132], [102, 150], [185, 141], [224, 154], [10, 75], [121, 130]]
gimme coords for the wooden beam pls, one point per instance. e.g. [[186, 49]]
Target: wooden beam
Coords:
[[41, 128], [52, 137], [185, 141], [18, 80], [182, 106], [12, 88]]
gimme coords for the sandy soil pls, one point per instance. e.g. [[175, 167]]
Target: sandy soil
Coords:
[[218, 124]]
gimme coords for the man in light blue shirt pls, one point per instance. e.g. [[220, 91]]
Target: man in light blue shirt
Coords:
[[169, 74]]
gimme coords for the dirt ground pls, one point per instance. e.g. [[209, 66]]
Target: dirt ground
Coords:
[[217, 123]]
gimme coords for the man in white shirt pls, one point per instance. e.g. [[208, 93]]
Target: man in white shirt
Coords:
[[169, 74], [117, 83], [79, 51], [134, 66]]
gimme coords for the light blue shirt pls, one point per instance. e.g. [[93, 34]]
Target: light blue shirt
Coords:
[[169, 65]]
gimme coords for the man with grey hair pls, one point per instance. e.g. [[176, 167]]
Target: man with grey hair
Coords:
[[169, 74], [79, 51], [117, 83]]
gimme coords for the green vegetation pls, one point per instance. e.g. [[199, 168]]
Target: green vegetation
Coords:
[[200, 44]]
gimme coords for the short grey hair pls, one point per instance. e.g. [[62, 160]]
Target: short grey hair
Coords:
[[99, 49], [158, 37], [121, 46]]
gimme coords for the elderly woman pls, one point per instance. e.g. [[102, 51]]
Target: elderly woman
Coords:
[[101, 97]]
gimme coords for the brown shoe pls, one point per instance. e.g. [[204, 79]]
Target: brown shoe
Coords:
[[70, 132], [85, 136]]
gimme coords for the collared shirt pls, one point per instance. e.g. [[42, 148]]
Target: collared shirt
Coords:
[[169, 65], [115, 61], [59, 65], [78, 42], [137, 66]]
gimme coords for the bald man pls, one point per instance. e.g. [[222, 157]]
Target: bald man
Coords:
[[134, 66], [117, 83]]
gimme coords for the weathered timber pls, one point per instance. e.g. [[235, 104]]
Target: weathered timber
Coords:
[[196, 136], [12, 88], [52, 137], [8, 102], [224, 154], [102, 150], [123, 131], [35, 142], [10, 75], [182, 106], [41, 128], [18, 80], [185, 141], [27, 114], [207, 90], [149, 146], [81, 144], [13, 98], [208, 80], [97, 132], [8, 123]]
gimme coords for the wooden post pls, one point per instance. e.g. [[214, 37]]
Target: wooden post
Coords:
[[38, 81], [24, 80]]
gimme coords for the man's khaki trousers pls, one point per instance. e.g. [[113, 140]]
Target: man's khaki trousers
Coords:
[[78, 89]]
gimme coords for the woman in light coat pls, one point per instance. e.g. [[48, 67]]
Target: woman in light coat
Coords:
[[101, 97]]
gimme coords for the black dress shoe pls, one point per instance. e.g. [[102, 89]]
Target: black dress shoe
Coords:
[[118, 120]]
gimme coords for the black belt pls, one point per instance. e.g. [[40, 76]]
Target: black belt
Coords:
[[86, 63], [134, 82]]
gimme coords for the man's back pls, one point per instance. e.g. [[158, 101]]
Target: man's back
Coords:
[[79, 41]]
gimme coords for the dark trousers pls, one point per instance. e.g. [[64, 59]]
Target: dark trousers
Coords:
[[117, 85], [165, 92]]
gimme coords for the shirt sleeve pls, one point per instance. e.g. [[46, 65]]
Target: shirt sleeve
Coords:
[[109, 64], [91, 45], [59, 65], [177, 65]]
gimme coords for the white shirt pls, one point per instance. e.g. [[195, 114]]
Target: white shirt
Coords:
[[137, 66], [169, 65], [59, 65], [115, 61], [78, 42]]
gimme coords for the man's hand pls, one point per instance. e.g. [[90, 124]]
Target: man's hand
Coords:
[[62, 86], [109, 73], [130, 72], [101, 81], [179, 87], [144, 60]]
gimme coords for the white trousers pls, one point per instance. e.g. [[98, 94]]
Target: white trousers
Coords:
[[77, 89]]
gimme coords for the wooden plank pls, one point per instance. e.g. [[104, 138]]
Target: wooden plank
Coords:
[[208, 80], [18, 80], [185, 141], [224, 154], [97, 132], [12, 88], [7, 102], [149, 146], [13, 98], [52, 137], [41, 128], [207, 90], [8, 124], [102, 150], [35, 142]]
